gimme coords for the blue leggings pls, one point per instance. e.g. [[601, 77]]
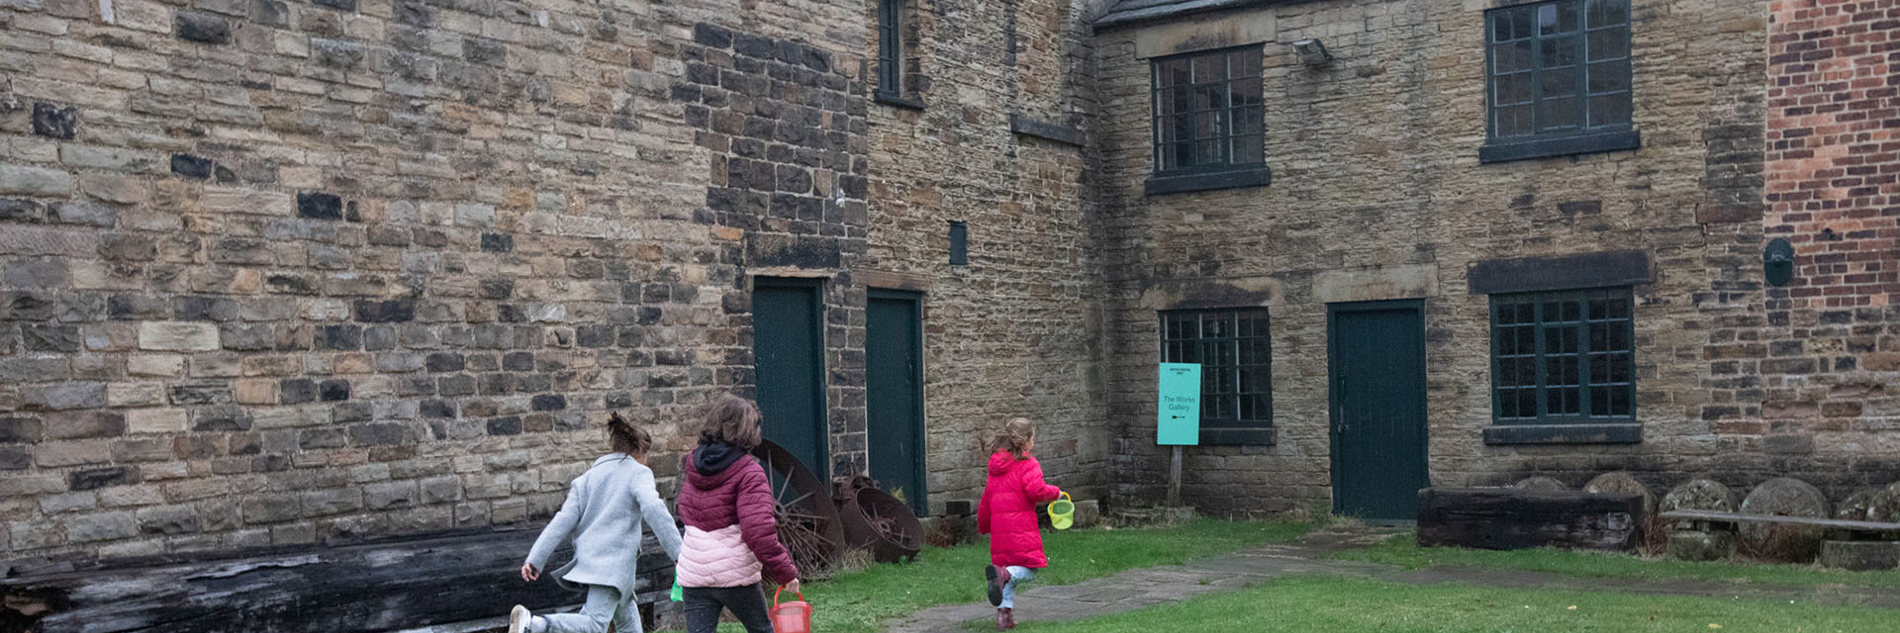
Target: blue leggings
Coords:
[[1017, 575]]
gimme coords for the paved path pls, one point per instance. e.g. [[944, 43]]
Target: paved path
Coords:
[[1138, 588]]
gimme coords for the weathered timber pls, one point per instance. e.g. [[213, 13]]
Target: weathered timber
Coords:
[[1744, 517], [377, 586], [1502, 518]]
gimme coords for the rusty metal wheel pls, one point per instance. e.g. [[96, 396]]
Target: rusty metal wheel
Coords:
[[808, 522]]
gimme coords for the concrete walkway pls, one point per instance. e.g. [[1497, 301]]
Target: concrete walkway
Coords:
[[1138, 588]]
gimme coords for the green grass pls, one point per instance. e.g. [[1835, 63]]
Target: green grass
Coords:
[[1404, 551], [1307, 604], [858, 602]]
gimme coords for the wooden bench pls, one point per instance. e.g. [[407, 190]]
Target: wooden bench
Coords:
[[1711, 516], [1855, 553]]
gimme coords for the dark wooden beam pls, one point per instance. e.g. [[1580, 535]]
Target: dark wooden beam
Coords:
[[1509, 518], [377, 586]]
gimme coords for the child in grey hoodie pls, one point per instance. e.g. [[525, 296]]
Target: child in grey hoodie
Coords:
[[603, 512]]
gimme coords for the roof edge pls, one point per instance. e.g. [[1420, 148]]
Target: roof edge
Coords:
[[1116, 19]]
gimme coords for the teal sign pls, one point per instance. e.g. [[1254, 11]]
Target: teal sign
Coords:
[[1178, 409]]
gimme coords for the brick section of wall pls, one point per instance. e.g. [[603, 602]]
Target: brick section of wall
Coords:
[[1018, 331], [1377, 192], [1827, 338]]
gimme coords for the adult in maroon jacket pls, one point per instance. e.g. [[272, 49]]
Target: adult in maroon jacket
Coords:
[[731, 539], [1008, 514]]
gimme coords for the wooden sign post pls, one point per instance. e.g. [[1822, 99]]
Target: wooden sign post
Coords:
[[1178, 417]]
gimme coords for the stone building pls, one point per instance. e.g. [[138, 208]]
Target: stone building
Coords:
[[286, 273]]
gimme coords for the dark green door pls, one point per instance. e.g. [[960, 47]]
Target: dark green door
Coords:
[[1378, 408], [788, 357], [893, 357]]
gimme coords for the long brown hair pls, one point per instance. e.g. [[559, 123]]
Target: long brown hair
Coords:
[[733, 420], [1015, 437], [624, 437]]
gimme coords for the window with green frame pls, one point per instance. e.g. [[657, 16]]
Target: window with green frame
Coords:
[[1563, 357], [1235, 355], [1560, 79]]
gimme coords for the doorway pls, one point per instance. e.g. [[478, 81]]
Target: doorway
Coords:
[[1377, 364]]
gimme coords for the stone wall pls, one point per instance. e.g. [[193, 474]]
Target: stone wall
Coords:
[[1378, 193], [1017, 331]]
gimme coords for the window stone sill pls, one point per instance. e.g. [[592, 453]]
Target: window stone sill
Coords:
[[1614, 433], [1213, 181], [897, 101], [1591, 143], [1259, 436]]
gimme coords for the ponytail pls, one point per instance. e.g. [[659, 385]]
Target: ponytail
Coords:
[[1015, 437], [627, 438]]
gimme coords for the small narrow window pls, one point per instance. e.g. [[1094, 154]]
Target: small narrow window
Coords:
[[890, 49], [1563, 357], [959, 244], [1235, 355], [1560, 79]]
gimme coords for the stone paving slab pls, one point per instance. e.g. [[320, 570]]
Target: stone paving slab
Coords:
[[1147, 587]]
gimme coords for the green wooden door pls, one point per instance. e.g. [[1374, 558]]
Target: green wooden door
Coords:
[[1378, 409], [893, 357], [788, 357]]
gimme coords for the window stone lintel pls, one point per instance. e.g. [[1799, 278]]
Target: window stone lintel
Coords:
[[1258, 176], [1585, 143], [1569, 272], [1226, 436], [894, 99], [1607, 433]]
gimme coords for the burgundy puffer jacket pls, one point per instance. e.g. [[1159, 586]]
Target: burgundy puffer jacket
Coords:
[[1008, 510], [731, 535]]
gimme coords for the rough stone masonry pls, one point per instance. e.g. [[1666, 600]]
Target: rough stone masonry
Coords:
[[284, 273]]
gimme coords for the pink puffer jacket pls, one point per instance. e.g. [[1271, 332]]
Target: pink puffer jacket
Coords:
[[1008, 510], [731, 536]]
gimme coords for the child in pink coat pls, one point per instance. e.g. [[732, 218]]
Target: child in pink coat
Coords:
[[731, 542], [1008, 514]]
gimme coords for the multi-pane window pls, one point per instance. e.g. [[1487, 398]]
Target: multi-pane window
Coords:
[[1235, 357], [1208, 111], [1559, 68], [1562, 357], [890, 48]]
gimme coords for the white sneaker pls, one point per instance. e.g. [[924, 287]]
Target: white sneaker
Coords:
[[518, 620]]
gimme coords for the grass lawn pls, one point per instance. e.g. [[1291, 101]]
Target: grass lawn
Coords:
[[1404, 551], [1325, 604], [857, 602]]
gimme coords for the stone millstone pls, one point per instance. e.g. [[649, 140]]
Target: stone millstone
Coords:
[[1784, 496], [1861, 555], [1858, 506], [1541, 484], [1620, 482], [1699, 494], [1885, 505], [1694, 545]]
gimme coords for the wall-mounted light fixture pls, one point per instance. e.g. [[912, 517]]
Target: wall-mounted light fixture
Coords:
[[1778, 262], [1312, 52]]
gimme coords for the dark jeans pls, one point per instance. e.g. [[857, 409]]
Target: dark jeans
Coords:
[[747, 603]]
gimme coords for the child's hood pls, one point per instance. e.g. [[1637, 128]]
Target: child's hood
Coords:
[[1001, 462], [711, 465]]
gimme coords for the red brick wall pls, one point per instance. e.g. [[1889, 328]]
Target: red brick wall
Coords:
[[1832, 151], [1830, 163]]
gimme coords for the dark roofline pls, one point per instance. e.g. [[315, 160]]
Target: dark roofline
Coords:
[[1116, 18]]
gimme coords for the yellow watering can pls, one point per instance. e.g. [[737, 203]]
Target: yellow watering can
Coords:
[[1062, 512]]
